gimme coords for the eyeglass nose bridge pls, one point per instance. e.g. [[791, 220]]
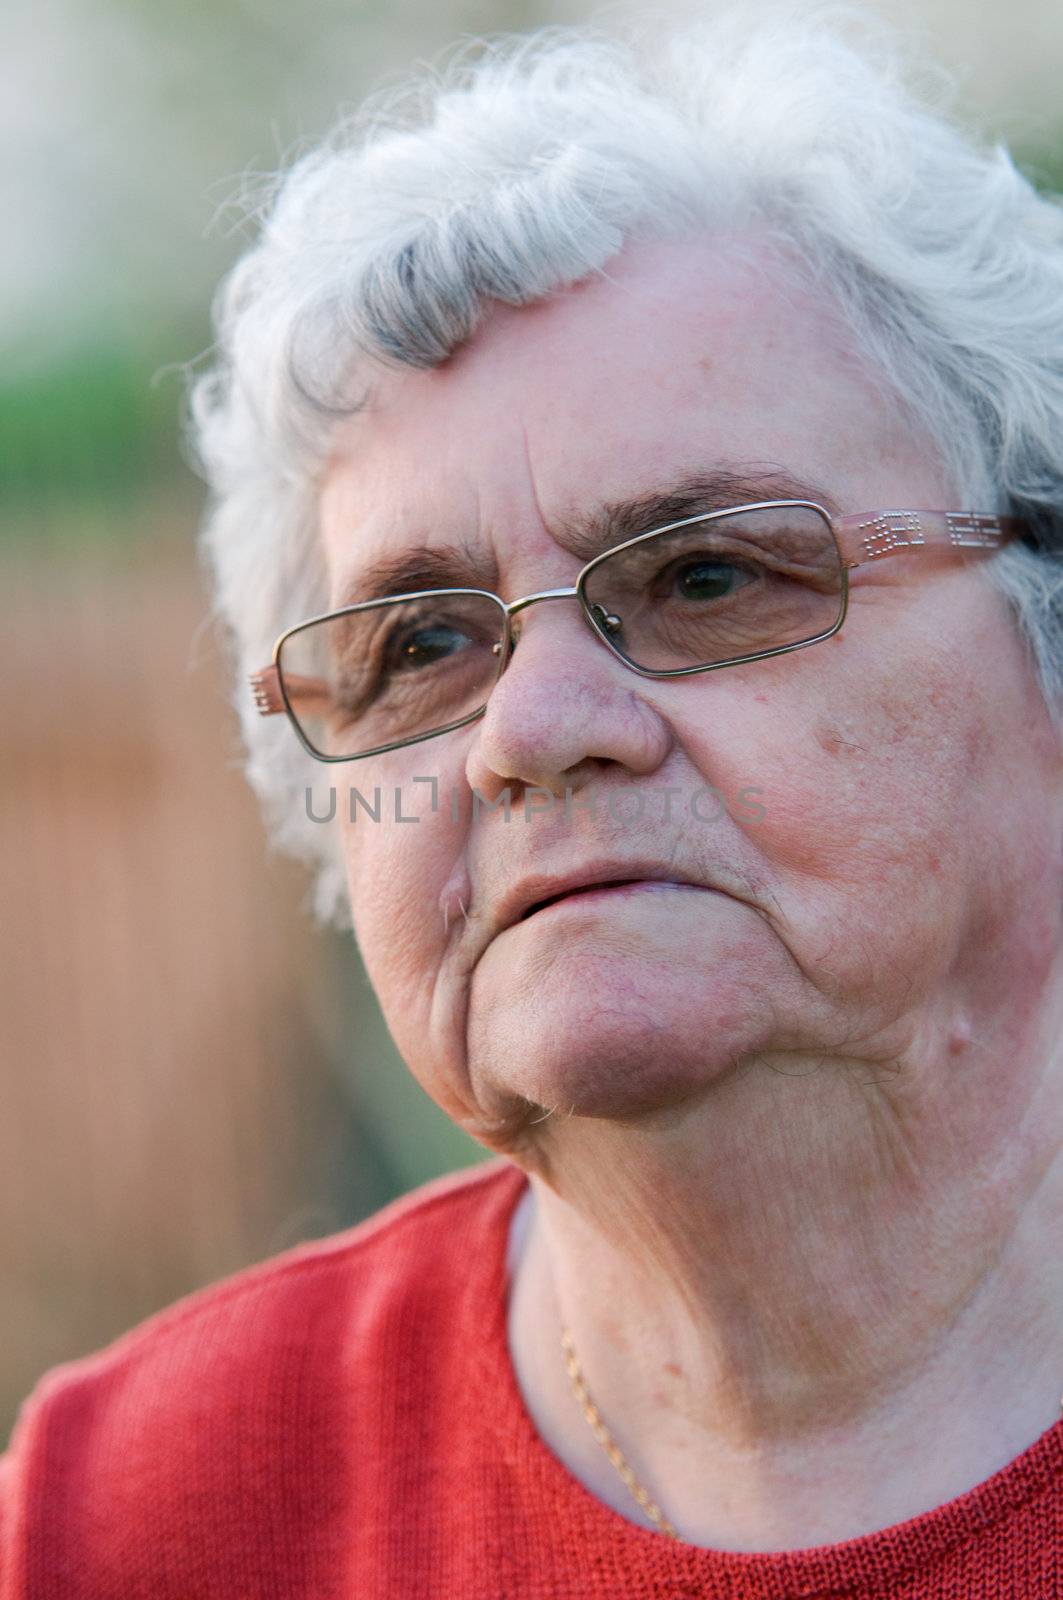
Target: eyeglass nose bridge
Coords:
[[607, 622], [513, 606]]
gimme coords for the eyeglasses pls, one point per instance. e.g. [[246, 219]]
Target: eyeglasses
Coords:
[[710, 591]]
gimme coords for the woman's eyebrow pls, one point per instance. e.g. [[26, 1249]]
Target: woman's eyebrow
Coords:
[[437, 566], [588, 534], [584, 535]]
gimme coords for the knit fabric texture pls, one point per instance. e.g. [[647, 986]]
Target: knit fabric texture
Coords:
[[344, 1420]]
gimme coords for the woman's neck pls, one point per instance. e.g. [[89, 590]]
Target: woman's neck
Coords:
[[783, 1365]]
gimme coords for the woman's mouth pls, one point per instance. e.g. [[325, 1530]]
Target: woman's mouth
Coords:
[[620, 886]]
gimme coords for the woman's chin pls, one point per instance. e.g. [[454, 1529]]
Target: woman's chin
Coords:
[[610, 1032]]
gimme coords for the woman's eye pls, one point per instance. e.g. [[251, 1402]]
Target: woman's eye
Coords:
[[428, 644], [707, 579]]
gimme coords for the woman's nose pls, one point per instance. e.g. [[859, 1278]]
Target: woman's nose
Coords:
[[563, 708]]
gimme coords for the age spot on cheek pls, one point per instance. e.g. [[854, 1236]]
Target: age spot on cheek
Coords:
[[831, 742]]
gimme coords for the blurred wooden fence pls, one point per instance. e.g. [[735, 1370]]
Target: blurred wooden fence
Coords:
[[169, 1106]]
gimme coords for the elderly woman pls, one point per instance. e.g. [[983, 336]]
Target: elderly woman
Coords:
[[638, 491]]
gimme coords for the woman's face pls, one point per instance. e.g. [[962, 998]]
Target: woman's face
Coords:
[[876, 876]]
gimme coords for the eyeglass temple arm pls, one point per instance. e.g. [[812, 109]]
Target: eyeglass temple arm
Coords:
[[269, 696], [865, 536], [266, 689]]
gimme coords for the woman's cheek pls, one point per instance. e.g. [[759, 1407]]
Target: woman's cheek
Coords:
[[395, 872]]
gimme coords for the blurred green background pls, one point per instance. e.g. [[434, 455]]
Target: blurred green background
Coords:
[[194, 1076]]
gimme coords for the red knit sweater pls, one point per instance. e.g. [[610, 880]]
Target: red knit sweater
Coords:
[[344, 1420]]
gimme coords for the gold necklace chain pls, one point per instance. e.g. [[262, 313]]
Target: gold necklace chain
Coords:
[[605, 1439], [609, 1444]]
